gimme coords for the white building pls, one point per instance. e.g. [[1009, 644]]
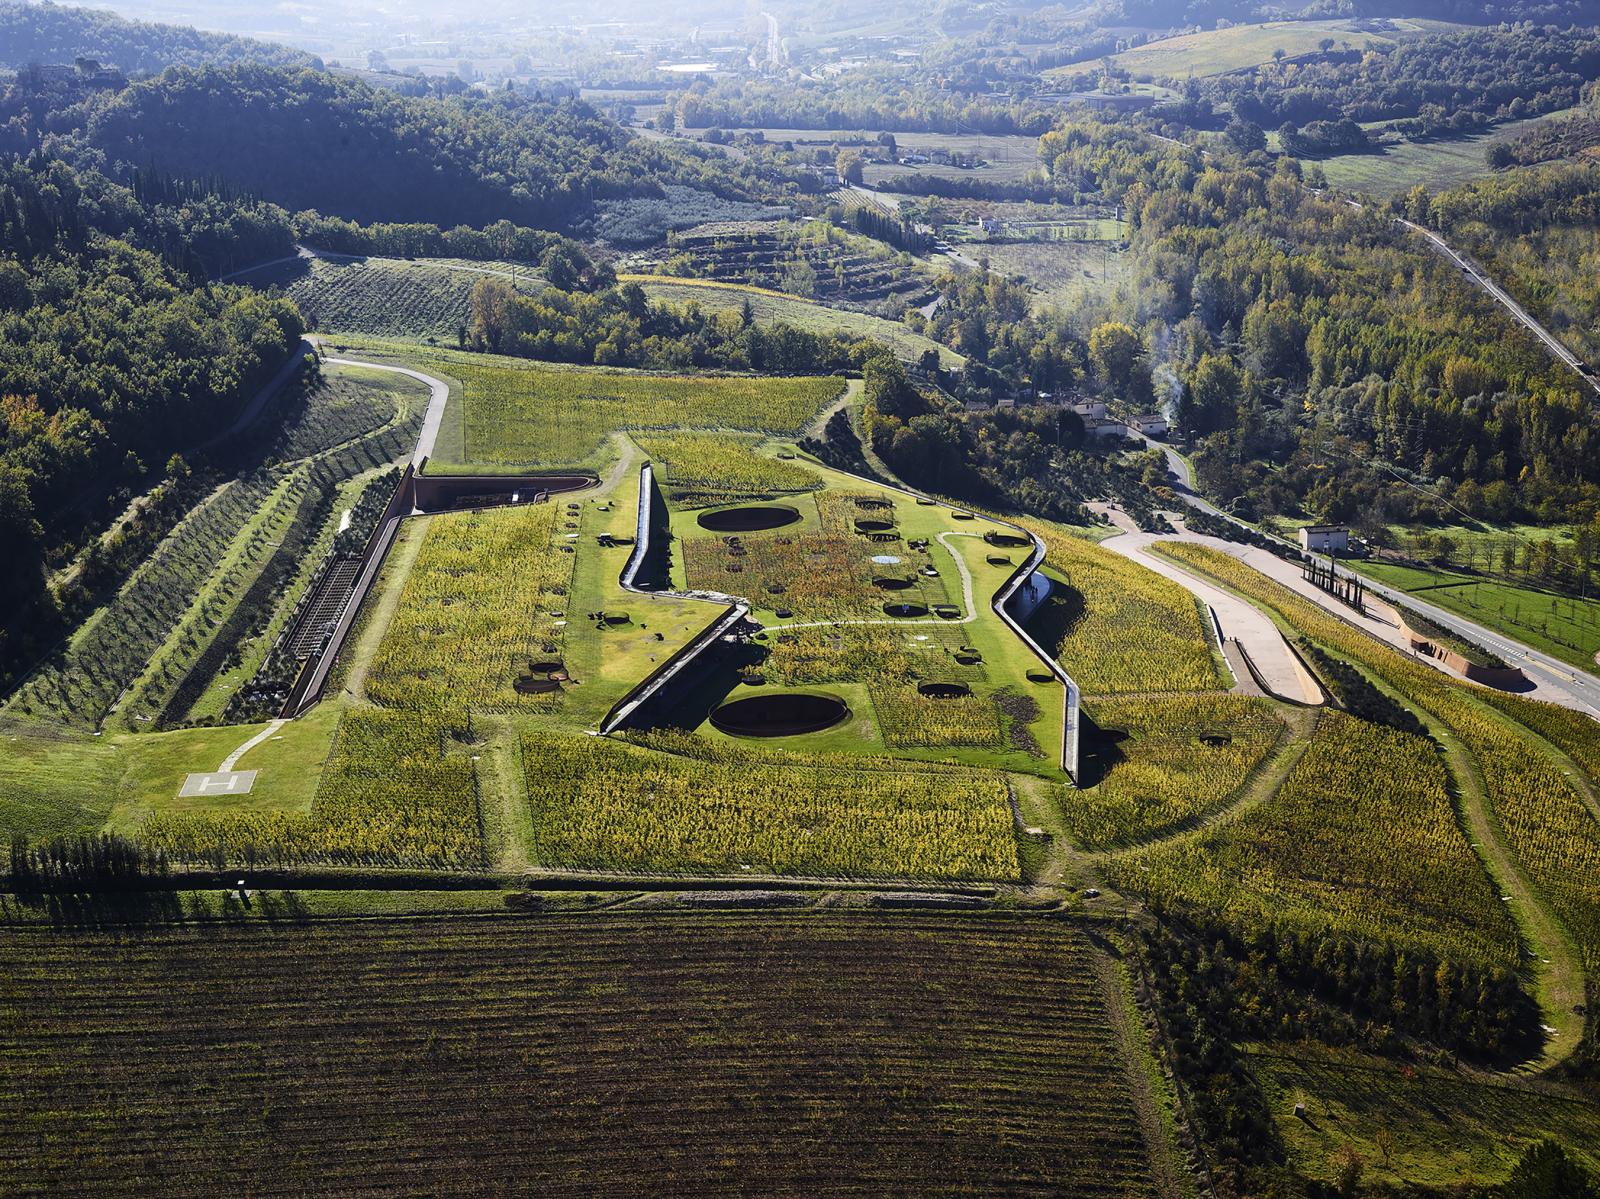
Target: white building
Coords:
[[1151, 424], [1100, 426], [1325, 539], [1090, 408]]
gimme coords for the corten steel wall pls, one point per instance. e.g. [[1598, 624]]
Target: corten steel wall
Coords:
[[442, 493], [1505, 678], [734, 611], [1022, 581]]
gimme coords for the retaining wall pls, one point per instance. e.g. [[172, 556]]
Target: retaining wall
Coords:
[[1504, 678]]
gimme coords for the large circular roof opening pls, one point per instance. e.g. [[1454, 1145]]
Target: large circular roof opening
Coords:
[[892, 583], [748, 518], [905, 609], [870, 524], [782, 714], [944, 690]]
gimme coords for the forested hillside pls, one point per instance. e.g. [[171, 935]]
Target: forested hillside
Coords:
[[342, 147], [58, 33], [1538, 230], [110, 362], [1449, 83]]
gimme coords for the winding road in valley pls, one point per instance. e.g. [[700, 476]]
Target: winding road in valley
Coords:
[[1517, 311]]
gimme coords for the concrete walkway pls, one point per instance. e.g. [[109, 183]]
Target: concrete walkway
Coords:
[[1241, 624], [232, 759]]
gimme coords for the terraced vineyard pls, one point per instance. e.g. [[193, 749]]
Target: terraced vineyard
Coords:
[[386, 297], [836, 1054], [146, 648], [814, 261]]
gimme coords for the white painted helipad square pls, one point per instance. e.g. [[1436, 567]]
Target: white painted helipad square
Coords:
[[222, 782]]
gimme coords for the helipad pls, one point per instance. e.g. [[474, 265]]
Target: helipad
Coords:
[[220, 782]]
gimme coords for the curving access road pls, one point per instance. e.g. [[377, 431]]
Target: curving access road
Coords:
[[1554, 681]]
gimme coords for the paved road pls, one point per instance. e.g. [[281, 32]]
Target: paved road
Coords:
[[438, 396], [1239, 620], [776, 58], [1553, 680], [1499, 293]]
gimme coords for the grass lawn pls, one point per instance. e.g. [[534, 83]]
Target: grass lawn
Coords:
[[801, 313], [1565, 628], [53, 783], [1424, 1127], [289, 766]]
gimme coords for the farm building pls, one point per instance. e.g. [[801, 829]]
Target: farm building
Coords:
[[1151, 424], [1101, 426], [1090, 409], [1324, 539]]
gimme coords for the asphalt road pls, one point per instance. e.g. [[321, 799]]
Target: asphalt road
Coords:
[[1557, 682], [1499, 293]]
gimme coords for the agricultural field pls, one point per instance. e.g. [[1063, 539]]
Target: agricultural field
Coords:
[[720, 464], [508, 416], [410, 299], [1360, 841], [813, 260], [1417, 1126], [1219, 51], [1544, 822], [816, 1052], [601, 805], [1117, 627], [772, 306], [485, 597], [1005, 158], [1397, 166], [644, 220], [1062, 273], [1561, 626]]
